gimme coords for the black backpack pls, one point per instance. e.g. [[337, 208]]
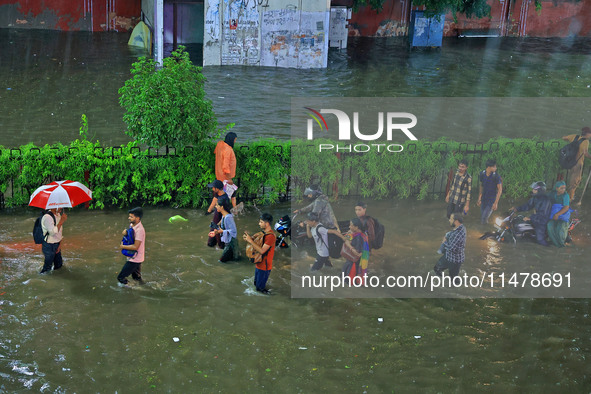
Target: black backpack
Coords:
[[38, 235], [377, 241], [568, 155], [335, 243]]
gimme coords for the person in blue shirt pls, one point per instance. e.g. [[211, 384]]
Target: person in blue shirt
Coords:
[[558, 225], [490, 190], [542, 205], [227, 230]]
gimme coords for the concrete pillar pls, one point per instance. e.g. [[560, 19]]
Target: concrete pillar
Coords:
[[159, 31]]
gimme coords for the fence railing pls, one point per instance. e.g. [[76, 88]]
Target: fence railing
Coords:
[[437, 182]]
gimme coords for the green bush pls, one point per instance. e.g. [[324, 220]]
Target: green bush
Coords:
[[167, 106], [126, 175], [422, 166]]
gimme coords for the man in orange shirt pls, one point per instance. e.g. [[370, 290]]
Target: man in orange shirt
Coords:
[[267, 250], [576, 173], [225, 161]]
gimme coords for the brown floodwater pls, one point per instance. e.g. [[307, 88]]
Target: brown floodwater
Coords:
[[75, 330]]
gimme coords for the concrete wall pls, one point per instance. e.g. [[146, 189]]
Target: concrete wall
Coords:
[[557, 18], [274, 33], [66, 15]]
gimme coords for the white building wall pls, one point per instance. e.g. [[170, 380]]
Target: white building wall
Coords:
[[275, 33]]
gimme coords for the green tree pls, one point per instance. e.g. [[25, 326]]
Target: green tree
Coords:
[[167, 106]]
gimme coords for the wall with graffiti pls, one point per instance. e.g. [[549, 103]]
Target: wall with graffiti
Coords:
[[67, 15], [274, 33]]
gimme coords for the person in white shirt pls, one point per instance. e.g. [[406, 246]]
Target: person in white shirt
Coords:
[[52, 225]]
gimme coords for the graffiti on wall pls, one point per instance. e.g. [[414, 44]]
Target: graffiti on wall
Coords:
[[240, 29], [292, 38], [243, 32]]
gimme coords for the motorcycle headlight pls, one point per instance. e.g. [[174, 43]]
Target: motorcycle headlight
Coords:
[[498, 222]]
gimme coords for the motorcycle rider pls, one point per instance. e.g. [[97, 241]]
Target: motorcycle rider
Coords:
[[321, 206], [542, 205]]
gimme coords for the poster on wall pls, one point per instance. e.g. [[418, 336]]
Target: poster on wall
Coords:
[[240, 30]]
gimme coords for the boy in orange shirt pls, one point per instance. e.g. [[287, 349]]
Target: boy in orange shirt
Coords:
[[263, 269]]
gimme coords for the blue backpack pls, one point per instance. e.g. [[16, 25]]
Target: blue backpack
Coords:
[[565, 217], [128, 239]]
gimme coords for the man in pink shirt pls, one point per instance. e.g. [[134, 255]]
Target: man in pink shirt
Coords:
[[133, 266]]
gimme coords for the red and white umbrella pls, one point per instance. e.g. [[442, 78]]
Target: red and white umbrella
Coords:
[[60, 194]]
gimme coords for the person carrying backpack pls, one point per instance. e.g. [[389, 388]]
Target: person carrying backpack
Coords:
[[355, 249], [374, 229], [267, 251], [576, 172], [315, 230], [52, 225], [133, 265]]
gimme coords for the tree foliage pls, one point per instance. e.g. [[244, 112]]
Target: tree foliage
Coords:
[[470, 8], [167, 106]]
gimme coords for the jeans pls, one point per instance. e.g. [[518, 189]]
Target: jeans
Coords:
[[540, 224], [321, 262], [52, 257], [260, 278], [130, 268], [454, 208], [443, 264], [485, 212]]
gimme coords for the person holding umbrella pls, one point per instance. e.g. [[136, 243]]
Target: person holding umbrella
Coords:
[[52, 198], [52, 225]]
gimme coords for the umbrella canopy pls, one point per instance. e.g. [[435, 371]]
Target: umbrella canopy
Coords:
[[60, 194]]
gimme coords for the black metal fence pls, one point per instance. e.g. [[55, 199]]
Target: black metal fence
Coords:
[[152, 153], [474, 153]]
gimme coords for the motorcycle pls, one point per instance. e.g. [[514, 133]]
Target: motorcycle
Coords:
[[299, 238], [514, 227], [283, 227]]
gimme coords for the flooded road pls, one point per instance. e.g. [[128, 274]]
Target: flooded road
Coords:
[[77, 331], [49, 79]]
